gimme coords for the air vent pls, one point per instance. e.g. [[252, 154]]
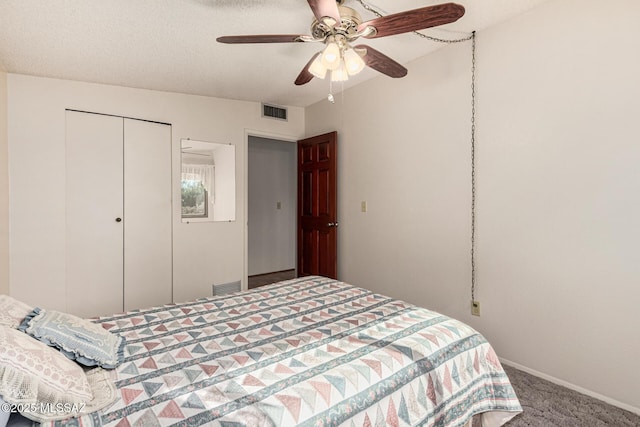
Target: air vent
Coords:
[[226, 288], [274, 112]]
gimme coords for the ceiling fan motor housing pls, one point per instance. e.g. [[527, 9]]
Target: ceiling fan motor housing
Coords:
[[350, 21]]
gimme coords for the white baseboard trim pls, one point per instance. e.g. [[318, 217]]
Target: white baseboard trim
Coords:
[[570, 386]]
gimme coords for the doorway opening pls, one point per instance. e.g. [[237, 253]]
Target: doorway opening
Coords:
[[271, 210]]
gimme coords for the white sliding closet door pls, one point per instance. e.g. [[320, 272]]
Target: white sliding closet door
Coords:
[[119, 249], [147, 213], [94, 203]]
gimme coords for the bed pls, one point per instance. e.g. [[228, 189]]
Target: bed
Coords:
[[311, 352]]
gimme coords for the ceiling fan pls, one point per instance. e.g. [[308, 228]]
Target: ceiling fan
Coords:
[[338, 26]]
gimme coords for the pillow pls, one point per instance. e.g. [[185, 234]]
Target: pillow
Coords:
[[81, 340], [12, 312], [37, 377]]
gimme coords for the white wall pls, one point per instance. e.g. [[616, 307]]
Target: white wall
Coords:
[[203, 253], [225, 194], [558, 189], [4, 189], [272, 231]]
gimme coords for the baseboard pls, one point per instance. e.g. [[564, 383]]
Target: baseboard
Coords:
[[570, 386]]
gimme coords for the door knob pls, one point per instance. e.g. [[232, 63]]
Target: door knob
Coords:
[[332, 224], [118, 219]]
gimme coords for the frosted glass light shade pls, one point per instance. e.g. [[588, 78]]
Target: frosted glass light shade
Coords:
[[317, 69], [353, 62], [331, 56], [340, 74]]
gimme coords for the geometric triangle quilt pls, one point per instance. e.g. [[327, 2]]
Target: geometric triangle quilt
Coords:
[[309, 351]]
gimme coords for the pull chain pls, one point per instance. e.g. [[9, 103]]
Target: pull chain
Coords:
[[473, 166]]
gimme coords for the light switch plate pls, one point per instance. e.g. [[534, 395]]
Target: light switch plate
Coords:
[[363, 206]]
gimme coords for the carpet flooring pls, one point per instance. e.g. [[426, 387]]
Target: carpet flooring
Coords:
[[548, 404]]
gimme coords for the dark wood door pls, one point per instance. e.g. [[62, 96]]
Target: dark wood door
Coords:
[[317, 206]]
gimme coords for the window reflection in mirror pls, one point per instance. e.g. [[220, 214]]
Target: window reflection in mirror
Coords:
[[208, 187]]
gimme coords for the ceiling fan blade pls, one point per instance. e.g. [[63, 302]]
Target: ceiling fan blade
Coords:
[[305, 76], [381, 62], [414, 20], [325, 8], [262, 38]]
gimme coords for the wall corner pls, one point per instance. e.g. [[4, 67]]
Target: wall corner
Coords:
[[4, 185]]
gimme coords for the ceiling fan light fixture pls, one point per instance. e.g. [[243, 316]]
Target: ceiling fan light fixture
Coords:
[[340, 74], [331, 56], [353, 62], [317, 68]]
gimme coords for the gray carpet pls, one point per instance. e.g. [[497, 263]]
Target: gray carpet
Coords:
[[548, 404]]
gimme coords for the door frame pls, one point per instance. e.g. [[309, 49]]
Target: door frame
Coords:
[[245, 217]]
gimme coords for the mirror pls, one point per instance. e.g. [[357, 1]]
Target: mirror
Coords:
[[208, 181]]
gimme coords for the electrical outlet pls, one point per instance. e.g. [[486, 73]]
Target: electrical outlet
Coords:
[[475, 308], [363, 206], [278, 205]]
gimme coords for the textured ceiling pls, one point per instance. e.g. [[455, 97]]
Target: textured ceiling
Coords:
[[170, 45]]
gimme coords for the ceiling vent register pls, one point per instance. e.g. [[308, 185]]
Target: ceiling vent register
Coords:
[[274, 112]]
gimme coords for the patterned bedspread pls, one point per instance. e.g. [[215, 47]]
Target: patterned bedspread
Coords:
[[309, 352]]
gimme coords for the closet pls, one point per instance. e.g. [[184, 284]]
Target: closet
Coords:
[[118, 214]]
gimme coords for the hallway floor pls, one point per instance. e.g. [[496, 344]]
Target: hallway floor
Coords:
[[268, 278]]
